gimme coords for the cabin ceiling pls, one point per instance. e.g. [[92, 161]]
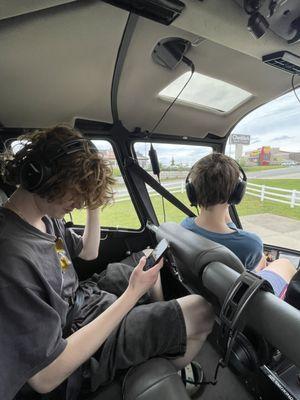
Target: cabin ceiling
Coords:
[[58, 60]]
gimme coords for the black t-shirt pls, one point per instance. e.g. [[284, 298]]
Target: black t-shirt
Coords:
[[36, 280]]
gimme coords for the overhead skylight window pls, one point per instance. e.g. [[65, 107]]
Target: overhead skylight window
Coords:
[[203, 91]]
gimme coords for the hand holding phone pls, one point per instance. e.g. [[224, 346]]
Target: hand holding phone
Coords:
[[156, 255]]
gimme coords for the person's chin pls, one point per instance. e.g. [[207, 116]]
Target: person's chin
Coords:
[[57, 215], [61, 215]]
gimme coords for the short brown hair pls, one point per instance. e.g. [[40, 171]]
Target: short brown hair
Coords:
[[214, 178], [84, 173]]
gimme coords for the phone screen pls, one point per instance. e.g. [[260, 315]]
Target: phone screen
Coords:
[[156, 254]]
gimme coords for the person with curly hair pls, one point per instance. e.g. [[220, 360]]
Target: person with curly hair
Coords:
[[59, 332]]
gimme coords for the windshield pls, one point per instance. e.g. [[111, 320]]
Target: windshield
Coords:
[[266, 143]]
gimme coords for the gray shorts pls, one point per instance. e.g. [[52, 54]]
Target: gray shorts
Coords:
[[149, 330]]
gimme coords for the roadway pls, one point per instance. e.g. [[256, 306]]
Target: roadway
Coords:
[[274, 229], [279, 173]]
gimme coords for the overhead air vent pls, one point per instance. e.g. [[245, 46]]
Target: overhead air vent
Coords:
[[284, 60], [163, 11]]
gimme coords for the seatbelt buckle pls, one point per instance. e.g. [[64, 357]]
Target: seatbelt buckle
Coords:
[[71, 301]]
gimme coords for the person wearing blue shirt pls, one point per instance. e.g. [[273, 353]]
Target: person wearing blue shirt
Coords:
[[213, 183], [246, 245]]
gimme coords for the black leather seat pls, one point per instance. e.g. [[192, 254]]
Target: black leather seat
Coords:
[[155, 379], [152, 380]]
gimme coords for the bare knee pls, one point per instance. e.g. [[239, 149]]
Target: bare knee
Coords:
[[282, 267], [198, 315]]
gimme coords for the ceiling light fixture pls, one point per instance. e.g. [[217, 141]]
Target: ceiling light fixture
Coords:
[[283, 60]]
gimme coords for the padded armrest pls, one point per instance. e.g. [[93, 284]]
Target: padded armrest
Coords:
[[153, 380], [193, 253], [266, 314]]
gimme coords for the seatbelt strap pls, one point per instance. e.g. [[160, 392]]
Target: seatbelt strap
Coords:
[[73, 311], [147, 178]]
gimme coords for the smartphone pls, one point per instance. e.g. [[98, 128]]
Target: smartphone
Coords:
[[156, 255]]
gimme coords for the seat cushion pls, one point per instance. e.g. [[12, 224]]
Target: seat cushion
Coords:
[[151, 380], [155, 379], [109, 392]]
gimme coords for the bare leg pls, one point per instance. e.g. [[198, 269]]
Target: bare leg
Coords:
[[156, 291], [283, 268], [199, 319], [262, 264]]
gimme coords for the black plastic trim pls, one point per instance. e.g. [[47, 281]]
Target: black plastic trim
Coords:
[[125, 42]]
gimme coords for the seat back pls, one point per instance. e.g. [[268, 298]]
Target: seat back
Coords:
[[193, 253]]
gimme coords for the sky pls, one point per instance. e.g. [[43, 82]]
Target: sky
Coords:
[[186, 155], [276, 124]]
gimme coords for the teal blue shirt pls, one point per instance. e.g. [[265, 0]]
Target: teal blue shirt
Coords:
[[246, 245]]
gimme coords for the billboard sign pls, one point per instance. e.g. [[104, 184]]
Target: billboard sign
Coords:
[[254, 153], [239, 139]]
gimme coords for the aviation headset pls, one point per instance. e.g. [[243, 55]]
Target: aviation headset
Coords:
[[247, 357], [36, 169], [235, 197]]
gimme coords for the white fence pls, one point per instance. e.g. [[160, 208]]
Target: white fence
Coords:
[[263, 192], [172, 187]]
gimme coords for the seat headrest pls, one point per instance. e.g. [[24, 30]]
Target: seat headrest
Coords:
[[193, 253]]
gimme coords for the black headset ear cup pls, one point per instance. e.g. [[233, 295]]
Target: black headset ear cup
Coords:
[[33, 173], [243, 357], [240, 188], [238, 193], [191, 192]]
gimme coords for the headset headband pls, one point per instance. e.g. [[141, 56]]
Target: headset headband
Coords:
[[69, 147], [36, 170], [235, 197]]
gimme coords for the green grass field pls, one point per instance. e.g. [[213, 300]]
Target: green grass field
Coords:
[[262, 168], [123, 215], [252, 205]]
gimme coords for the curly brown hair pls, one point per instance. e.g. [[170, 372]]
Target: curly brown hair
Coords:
[[85, 174], [214, 178]]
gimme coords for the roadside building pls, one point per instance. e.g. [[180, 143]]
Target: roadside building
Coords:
[[267, 155]]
